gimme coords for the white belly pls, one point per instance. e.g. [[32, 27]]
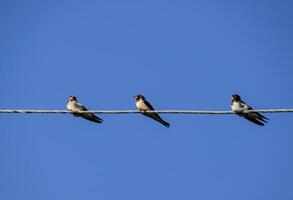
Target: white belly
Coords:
[[73, 106], [141, 105], [236, 106]]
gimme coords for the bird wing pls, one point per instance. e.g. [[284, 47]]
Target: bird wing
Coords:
[[89, 116], [155, 116], [253, 119], [256, 114], [149, 105], [81, 107]]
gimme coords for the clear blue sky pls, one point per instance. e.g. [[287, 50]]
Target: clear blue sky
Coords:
[[180, 55]]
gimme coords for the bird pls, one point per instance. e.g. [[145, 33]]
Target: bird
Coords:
[[239, 107], [143, 105], [74, 107]]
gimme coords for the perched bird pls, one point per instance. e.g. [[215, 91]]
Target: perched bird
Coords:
[[143, 105], [239, 107], [74, 106]]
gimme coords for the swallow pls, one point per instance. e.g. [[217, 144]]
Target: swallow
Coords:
[[143, 105], [74, 106], [239, 107]]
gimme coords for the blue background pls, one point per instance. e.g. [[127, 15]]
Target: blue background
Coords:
[[180, 55]]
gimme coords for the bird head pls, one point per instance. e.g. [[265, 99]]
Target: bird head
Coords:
[[235, 97], [138, 98], [72, 98]]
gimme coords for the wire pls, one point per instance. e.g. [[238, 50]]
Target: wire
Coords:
[[135, 111]]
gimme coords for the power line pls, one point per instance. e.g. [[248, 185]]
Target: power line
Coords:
[[135, 111]]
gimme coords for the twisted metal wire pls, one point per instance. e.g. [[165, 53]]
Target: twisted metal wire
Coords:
[[136, 111]]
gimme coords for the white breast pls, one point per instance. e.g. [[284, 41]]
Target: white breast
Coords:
[[141, 105], [73, 106], [236, 106]]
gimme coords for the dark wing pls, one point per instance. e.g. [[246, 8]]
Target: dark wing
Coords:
[[257, 115], [149, 105], [89, 116], [253, 119], [83, 108], [155, 116]]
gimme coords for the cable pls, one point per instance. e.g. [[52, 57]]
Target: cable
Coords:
[[135, 111]]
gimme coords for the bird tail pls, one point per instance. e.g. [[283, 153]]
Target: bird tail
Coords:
[[166, 124], [262, 118], [254, 120], [92, 117], [156, 117], [97, 120], [259, 118]]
